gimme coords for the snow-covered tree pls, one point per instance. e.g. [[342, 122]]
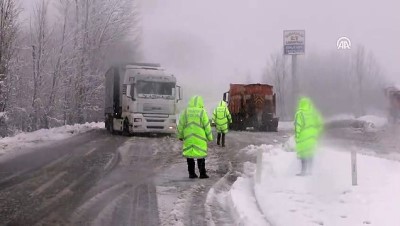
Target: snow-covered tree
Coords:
[[9, 28], [58, 62]]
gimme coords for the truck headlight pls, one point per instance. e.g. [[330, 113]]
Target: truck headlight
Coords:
[[137, 120]]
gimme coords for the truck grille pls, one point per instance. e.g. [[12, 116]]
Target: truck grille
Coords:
[[155, 120], [155, 127], [155, 116]]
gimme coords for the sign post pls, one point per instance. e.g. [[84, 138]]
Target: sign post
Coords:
[[295, 83], [294, 44]]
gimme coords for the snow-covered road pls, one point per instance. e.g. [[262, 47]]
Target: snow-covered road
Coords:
[[96, 178], [196, 202], [99, 179]]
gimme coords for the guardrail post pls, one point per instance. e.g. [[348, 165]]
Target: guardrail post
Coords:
[[259, 165], [354, 167]]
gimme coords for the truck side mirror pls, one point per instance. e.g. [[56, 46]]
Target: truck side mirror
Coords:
[[274, 102], [226, 95], [131, 92], [179, 93]]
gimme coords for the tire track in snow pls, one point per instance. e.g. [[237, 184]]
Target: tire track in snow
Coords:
[[45, 186], [135, 203], [50, 187]]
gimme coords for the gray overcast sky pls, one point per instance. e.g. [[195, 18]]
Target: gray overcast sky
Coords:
[[246, 32], [240, 35], [217, 42]]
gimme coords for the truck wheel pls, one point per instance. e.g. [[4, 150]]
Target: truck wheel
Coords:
[[108, 124], [273, 128], [126, 128], [111, 123]]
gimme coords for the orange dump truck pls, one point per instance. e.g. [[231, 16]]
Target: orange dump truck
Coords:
[[253, 107]]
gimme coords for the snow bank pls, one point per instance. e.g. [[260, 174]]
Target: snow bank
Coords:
[[367, 122], [373, 122], [290, 144], [286, 126], [253, 149], [340, 117], [44, 135], [244, 205], [324, 198]]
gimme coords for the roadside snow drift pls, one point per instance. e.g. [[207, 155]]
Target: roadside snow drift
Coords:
[[286, 125], [44, 135], [373, 122], [369, 123], [324, 198]]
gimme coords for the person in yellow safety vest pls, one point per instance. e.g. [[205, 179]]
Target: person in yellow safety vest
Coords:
[[195, 131], [221, 117], [308, 128]]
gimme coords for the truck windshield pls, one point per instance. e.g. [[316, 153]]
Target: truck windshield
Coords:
[[149, 89]]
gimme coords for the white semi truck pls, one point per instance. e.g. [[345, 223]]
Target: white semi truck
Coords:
[[140, 98]]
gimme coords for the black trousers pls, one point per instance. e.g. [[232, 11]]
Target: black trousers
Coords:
[[219, 136], [201, 164], [306, 165]]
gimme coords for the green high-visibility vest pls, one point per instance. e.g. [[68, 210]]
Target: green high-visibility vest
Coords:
[[194, 128], [308, 127], [221, 117]]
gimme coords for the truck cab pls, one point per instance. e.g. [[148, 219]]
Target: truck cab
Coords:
[[141, 98]]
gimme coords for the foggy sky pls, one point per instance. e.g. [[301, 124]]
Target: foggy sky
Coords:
[[208, 44], [214, 41]]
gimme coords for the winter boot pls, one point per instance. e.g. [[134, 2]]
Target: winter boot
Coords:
[[204, 176], [191, 169], [201, 163], [223, 140], [309, 167], [303, 168], [218, 138]]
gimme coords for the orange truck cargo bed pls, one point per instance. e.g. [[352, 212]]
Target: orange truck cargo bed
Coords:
[[252, 106]]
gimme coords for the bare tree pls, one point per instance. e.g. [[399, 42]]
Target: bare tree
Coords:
[[81, 66], [57, 65], [40, 35], [338, 82], [360, 68], [369, 79], [276, 75]]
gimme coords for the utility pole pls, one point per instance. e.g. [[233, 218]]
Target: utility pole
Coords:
[[295, 84]]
